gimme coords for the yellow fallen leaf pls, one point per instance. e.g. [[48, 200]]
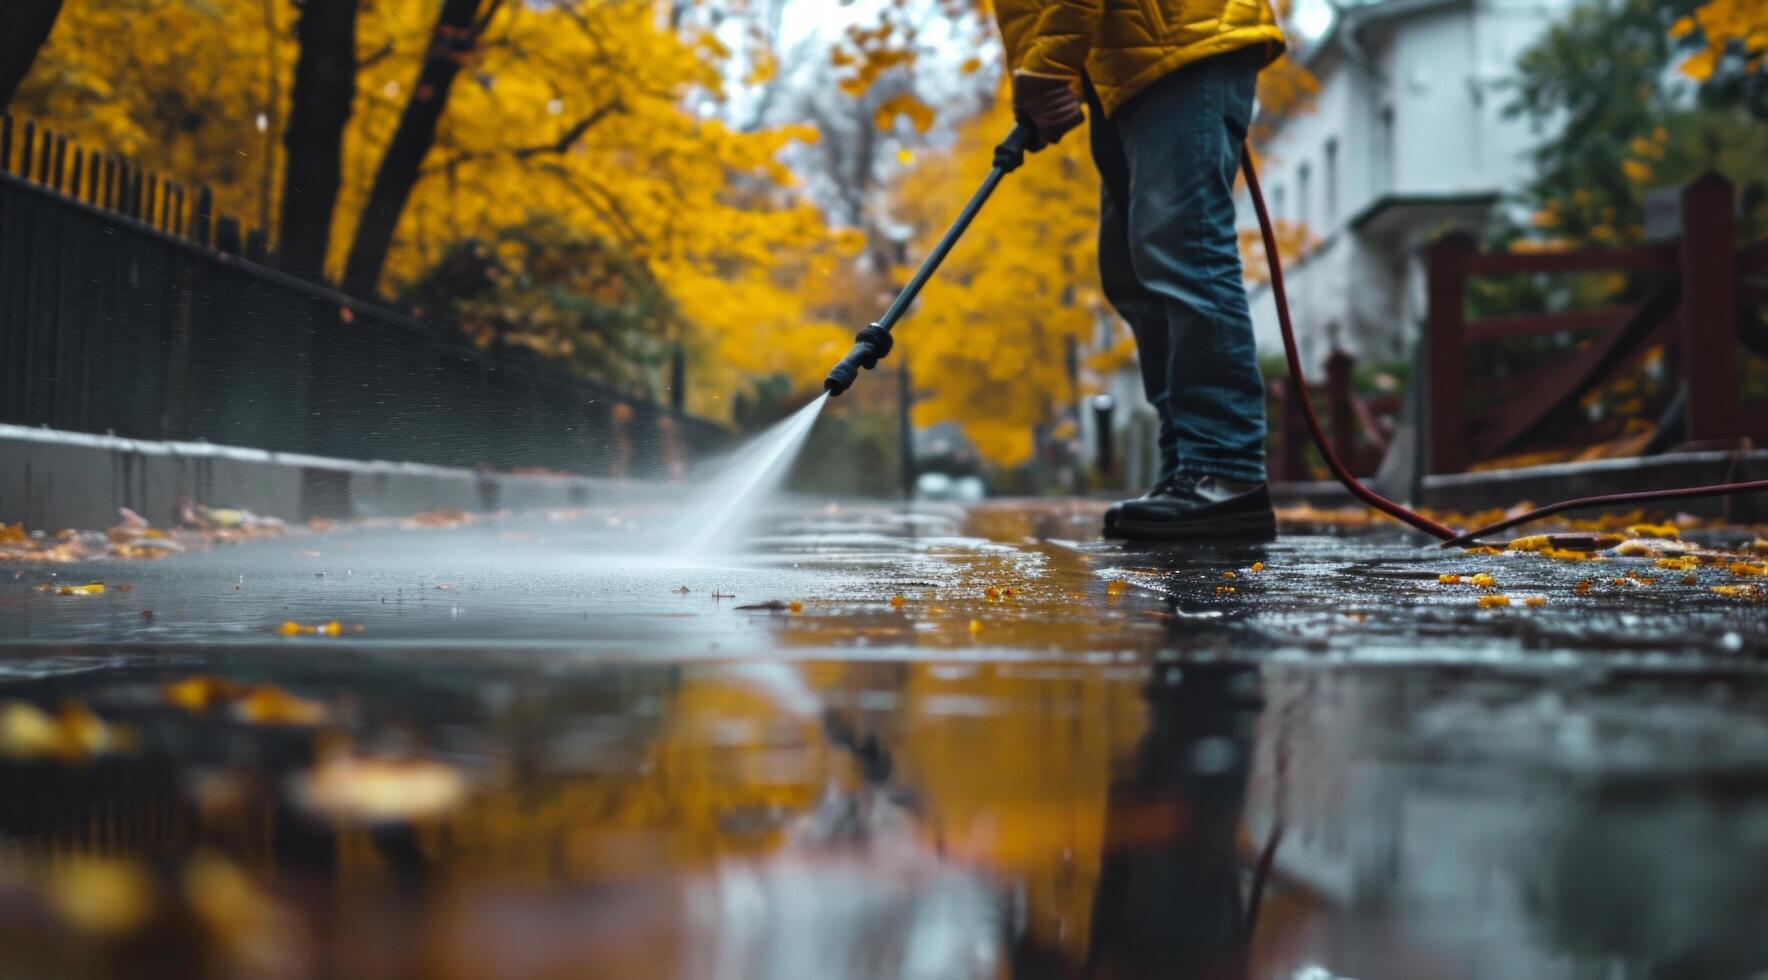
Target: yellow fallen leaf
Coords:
[[897, 600], [975, 627], [1447, 579], [1534, 542], [374, 790], [198, 694], [1739, 591], [1743, 568], [1654, 531], [74, 733], [90, 588], [268, 704], [1488, 601], [1535, 600], [795, 606], [101, 895], [1584, 587], [1228, 575], [1683, 563], [1115, 587], [243, 917], [1258, 566], [1483, 580], [333, 628], [27, 731]]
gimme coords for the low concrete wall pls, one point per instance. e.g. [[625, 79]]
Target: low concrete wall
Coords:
[[51, 479]]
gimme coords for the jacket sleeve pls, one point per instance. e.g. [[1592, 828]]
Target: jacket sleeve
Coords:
[[1061, 37]]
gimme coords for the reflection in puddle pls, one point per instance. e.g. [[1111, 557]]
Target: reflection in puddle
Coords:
[[901, 819]]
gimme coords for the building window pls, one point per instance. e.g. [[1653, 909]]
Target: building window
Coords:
[[1331, 182], [1303, 209], [1384, 150]]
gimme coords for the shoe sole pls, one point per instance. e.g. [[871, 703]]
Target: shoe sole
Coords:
[[1241, 527]]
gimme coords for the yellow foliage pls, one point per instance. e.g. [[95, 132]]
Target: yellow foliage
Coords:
[[576, 113], [1722, 24], [989, 337]]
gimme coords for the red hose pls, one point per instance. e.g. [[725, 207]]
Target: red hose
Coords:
[[1351, 483]]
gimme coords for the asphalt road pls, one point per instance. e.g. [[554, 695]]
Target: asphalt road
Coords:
[[944, 743]]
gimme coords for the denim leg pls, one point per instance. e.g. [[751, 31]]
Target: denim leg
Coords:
[[1139, 308], [1181, 138]]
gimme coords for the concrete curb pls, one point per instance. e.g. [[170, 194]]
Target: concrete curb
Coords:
[[51, 479], [1469, 492]]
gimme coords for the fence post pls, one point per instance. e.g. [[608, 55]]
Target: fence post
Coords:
[[58, 164], [200, 221], [227, 235], [1293, 430], [46, 157], [1445, 353], [5, 141], [1709, 310], [26, 145], [76, 171], [1340, 415]]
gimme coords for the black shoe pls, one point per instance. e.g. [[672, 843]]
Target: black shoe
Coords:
[[1197, 508], [1160, 487]]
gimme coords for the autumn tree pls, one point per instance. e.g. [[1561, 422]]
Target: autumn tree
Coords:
[[1615, 120], [24, 26], [459, 26], [313, 141], [182, 87]]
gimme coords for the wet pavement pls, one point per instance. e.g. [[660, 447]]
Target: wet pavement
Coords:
[[945, 743]]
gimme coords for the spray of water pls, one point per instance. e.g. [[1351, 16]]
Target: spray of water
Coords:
[[734, 492]]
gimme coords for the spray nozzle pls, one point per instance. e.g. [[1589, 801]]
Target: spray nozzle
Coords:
[[873, 343], [869, 347]]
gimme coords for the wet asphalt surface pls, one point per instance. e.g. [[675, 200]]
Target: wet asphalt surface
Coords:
[[944, 743]]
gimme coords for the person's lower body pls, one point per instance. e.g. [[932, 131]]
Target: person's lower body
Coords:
[[1169, 261]]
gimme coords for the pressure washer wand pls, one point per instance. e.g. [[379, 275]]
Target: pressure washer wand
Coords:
[[874, 342]]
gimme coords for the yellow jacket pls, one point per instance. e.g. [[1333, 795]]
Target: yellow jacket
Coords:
[[1123, 45]]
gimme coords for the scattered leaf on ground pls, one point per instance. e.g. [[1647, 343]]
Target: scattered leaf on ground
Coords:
[[367, 789]]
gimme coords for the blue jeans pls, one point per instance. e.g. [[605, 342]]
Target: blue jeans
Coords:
[[1169, 259]]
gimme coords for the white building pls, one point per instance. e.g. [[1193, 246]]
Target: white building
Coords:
[[1406, 138]]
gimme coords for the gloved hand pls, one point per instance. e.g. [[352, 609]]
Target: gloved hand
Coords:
[[1050, 102]]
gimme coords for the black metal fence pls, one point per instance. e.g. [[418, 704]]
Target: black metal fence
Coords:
[[127, 306]]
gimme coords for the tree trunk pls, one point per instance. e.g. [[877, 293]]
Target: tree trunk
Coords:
[[325, 86], [457, 29], [24, 26]]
